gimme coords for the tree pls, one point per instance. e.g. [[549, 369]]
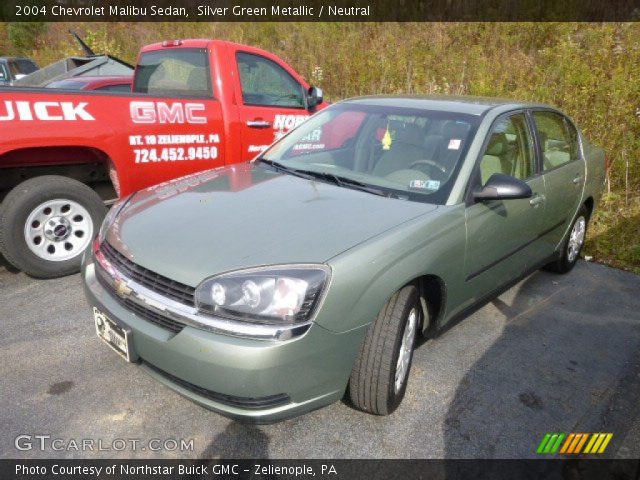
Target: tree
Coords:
[[24, 35]]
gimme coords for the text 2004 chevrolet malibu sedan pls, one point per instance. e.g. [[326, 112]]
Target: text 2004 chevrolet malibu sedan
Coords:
[[269, 289]]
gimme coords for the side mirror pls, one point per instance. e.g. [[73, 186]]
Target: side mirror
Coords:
[[315, 97], [503, 187]]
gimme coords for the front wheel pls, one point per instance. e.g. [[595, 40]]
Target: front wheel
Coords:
[[379, 377], [572, 245], [46, 223]]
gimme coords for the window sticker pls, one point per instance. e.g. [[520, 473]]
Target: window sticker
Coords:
[[454, 144], [424, 185]]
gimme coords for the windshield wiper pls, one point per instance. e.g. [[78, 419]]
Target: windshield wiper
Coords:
[[331, 177], [283, 168], [350, 183]]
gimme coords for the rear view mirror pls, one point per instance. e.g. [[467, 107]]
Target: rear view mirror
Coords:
[[315, 97], [503, 187]]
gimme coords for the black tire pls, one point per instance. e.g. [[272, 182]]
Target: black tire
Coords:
[[24, 199], [564, 264], [372, 383]]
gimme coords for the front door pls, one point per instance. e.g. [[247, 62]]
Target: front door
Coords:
[[503, 235], [273, 103]]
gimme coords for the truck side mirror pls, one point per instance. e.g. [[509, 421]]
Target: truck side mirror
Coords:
[[503, 187], [315, 97]]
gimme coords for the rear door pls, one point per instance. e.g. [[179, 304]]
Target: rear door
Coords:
[[503, 235], [272, 101], [563, 169]]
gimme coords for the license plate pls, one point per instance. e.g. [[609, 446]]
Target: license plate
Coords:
[[114, 335]]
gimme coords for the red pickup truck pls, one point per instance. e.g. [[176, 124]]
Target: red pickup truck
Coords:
[[195, 105]]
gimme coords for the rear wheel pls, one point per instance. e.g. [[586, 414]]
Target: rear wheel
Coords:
[[379, 377], [572, 245], [46, 223]]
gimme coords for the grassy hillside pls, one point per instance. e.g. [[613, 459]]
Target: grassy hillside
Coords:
[[588, 70]]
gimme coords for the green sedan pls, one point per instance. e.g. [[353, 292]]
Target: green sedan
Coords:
[[266, 290]]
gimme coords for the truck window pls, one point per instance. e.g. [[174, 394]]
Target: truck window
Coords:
[[181, 72], [265, 83], [4, 73], [25, 67]]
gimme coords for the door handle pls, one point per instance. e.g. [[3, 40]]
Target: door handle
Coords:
[[258, 124], [537, 200], [577, 179]]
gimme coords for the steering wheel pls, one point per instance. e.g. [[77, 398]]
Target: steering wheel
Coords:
[[433, 166]]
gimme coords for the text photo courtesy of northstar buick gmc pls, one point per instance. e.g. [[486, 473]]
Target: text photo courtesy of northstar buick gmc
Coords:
[[266, 290]]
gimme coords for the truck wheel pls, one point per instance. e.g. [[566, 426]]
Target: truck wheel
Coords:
[[46, 223], [572, 244], [379, 377]]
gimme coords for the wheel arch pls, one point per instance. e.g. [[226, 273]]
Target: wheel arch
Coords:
[[82, 163]]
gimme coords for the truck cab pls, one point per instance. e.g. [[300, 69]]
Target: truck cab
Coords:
[[195, 105]]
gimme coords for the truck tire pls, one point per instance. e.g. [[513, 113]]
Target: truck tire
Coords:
[[46, 223], [572, 244], [379, 377]]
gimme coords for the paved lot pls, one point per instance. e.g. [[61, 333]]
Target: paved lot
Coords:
[[555, 353]]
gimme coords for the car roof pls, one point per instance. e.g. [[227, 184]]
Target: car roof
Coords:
[[465, 104]]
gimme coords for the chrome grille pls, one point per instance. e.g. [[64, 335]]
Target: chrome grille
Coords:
[[142, 312], [162, 285]]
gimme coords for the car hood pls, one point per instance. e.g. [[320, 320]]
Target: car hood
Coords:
[[245, 216]]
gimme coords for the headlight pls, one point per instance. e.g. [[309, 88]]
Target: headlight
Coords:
[[112, 214], [283, 295]]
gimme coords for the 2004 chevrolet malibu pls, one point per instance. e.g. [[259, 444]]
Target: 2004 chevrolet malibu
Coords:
[[270, 289]]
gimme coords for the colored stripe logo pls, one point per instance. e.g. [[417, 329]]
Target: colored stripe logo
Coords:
[[574, 443]]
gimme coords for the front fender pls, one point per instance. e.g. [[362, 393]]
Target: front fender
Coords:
[[366, 276]]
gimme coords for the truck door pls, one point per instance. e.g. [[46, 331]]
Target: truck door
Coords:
[[177, 126], [272, 102]]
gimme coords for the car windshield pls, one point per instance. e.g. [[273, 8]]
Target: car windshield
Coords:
[[406, 153]]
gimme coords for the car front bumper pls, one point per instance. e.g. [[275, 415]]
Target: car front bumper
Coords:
[[251, 380]]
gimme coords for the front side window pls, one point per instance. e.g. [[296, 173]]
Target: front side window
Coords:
[[410, 153], [509, 150], [558, 139], [181, 72], [265, 83]]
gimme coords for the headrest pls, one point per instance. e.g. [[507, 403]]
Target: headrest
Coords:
[[408, 133], [454, 129], [497, 144]]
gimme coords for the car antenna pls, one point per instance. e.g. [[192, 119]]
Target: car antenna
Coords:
[[85, 47]]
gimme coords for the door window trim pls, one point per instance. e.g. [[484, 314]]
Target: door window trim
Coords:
[[304, 107]]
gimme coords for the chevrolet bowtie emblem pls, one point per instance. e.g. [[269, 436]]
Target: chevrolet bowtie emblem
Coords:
[[122, 289]]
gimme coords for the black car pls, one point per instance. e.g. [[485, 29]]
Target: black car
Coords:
[[12, 68]]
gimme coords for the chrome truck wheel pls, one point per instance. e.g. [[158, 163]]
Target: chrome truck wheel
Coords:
[[46, 223], [57, 230]]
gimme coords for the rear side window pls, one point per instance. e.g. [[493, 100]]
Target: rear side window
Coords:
[[558, 139], [182, 72], [266, 83]]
